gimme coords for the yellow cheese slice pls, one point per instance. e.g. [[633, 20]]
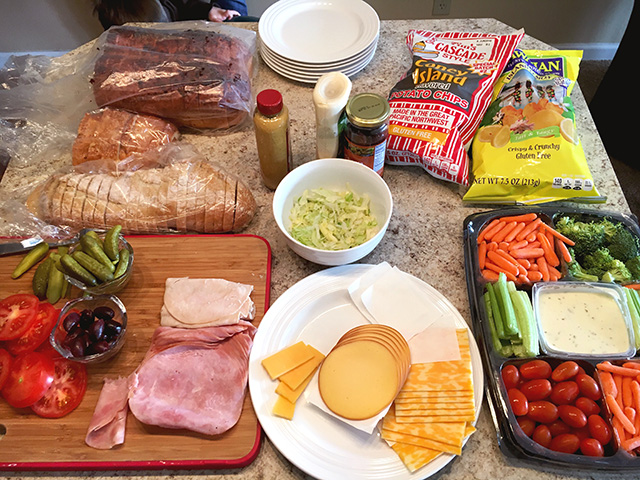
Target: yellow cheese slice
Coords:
[[283, 408], [414, 457], [441, 418], [358, 380], [435, 413], [290, 394], [420, 442], [452, 433], [430, 406], [287, 359], [440, 397], [294, 378]]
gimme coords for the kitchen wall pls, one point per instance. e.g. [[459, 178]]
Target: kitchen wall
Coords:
[[595, 26]]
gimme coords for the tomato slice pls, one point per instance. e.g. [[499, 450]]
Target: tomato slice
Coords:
[[66, 392], [39, 331], [30, 376], [5, 366], [17, 313]]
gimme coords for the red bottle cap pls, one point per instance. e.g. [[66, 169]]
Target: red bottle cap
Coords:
[[269, 102]]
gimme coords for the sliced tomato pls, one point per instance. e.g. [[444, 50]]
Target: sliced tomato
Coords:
[[30, 376], [17, 313], [5, 366], [39, 331], [47, 349], [66, 392]]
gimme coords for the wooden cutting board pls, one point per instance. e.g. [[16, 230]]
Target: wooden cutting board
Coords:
[[33, 443]]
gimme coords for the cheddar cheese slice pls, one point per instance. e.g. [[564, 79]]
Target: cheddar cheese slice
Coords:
[[287, 359], [283, 408], [290, 394], [295, 377]]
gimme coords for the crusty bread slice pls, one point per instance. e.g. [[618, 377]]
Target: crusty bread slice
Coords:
[[119, 201], [229, 204], [245, 207], [92, 199], [102, 203]]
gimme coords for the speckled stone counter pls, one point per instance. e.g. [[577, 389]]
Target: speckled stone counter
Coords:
[[424, 237]]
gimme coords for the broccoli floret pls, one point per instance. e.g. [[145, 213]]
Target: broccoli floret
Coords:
[[633, 266], [617, 273], [610, 229], [576, 271], [623, 244], [588, 236], [598, 262]]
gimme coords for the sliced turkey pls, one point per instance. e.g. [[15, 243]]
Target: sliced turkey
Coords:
[[108, 423]]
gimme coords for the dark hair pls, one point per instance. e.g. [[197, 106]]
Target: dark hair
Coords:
[[119, 12]]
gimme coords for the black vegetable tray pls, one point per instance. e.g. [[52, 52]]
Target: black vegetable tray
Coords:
[[513, 442]]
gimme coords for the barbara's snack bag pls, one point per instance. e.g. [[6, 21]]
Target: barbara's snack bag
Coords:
[[526, 149], [437, 106]]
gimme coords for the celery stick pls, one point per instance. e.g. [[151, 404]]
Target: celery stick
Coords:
[[524, 311], [519, 351], [495, 340], [508, 315], [495, 307], [635, 314], [507, 350]]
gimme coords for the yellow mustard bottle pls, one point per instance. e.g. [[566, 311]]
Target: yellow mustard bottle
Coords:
[[271, 120]]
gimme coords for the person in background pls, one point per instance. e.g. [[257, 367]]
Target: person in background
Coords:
[[119, 12]]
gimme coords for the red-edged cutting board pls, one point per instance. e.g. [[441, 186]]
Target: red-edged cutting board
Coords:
[[33, 443]]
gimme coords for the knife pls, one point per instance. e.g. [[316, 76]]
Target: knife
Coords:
[[29, 243]]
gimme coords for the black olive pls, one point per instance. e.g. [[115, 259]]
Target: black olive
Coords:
[[104, 312], [100, 347], [86, 318], [70, 320], [112, 329], [77, 347], [96, 330]]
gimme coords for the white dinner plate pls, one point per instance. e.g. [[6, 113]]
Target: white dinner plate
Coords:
[[318, 31], [318, 310]]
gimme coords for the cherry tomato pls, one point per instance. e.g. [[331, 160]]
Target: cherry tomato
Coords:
[[543, 411], [558, 428], [588, 387], [17, 313], [565, 443], [527, 425], [581, 433], [542, 435], [588, 406], [30, 376], [5, 366], [537, 389], [565, 371], [519, 403], [38, 332], [599, 429], [535, 369], [510, 376], [572, 416], [591, 447], [66, 392], [564, 393]]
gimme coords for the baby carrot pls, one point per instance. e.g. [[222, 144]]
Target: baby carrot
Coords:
[[564, 251], [534, 275], [492, 246], [635, 286], [635, 392], [618, 430], [527, 253], [534, 243], [499, 237], [623, 371], [608, 385], [554, 273], [482, 254], [525, 217], [498, 269], [627, 396], [619, 414], [549, 254], [631, 443], [489, 235], [635, 365], [490, 275], [528, 229], [524, 262], [517, 245], [503, 253], [483, 232], [631, 415], [544, 268], [557, 234], [512, 234], [532, 236], [503, 246]]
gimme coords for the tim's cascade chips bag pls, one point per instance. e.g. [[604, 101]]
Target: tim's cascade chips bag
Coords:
[[437, 106], [526, 149]]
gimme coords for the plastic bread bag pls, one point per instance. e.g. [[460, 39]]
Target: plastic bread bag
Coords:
[[526, 150], [173, 189], [437, 106], [195, 74]]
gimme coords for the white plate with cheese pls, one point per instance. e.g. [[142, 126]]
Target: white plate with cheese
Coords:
[[318, 310]]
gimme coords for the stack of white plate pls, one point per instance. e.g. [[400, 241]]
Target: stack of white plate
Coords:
[[304, 39]]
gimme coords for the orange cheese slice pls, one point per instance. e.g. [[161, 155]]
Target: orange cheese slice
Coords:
[[415, 457], [421, 442], [430, 407], [452, 433], [287, 359], [283, 408], [290, 394], [440, 397], [440, 418], [295, 377]]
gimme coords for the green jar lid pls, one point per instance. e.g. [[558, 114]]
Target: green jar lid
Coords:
[[367, 110]]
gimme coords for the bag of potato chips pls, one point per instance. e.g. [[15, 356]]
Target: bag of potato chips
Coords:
[[526, 149]]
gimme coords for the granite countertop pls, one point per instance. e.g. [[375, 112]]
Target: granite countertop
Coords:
[[424, 208]]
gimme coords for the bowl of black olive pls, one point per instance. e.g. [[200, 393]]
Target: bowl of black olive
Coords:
[[90, 329]]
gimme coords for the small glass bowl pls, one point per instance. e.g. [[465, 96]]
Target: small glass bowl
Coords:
[[111, 287], [58, 334]]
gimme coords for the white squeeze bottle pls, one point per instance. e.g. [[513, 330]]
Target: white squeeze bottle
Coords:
[[330, 96]]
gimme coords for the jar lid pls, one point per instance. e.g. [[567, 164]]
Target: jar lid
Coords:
[[269, 102], [367, 110]]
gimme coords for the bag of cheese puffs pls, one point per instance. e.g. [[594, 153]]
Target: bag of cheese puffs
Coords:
[[526, 149]]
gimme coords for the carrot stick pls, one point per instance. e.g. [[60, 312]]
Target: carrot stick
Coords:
[[482, 232], [544, 268], [489, 235], [528, 229], [512, 234], [525, 217], [498, 269], [503, 263], [627, 396], [524, 262], [557, 234], [549, 254], [482, 254], [499, 237], [534, 275], [490, 275], [527, 253], [564, 251], [623, 371], [619, 414], [608, 385], [631, 443], [517, 245]]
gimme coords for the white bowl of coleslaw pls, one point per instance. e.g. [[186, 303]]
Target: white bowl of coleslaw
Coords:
[[332, 211]]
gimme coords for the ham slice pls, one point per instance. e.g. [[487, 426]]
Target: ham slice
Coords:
[[205, 302], [108, 423], [193, 378]]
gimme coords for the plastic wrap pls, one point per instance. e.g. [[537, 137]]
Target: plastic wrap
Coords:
[[172, 189]]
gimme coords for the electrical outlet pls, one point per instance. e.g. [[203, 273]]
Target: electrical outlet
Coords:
[[441, 7]]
